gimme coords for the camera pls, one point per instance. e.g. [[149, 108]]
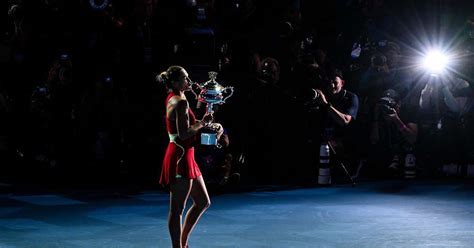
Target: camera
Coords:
[[387, 105], [307, 96], [388, 102]]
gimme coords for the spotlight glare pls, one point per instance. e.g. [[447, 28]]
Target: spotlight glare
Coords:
[[435, 62]]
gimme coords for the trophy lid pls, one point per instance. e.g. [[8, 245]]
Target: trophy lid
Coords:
[[212, 84]]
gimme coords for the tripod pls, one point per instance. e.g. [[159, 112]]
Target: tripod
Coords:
[[331, 148]]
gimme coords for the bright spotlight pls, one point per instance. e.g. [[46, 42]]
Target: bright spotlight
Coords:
[[435, 62]]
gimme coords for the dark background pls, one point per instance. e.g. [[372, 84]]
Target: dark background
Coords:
[[103, 120]]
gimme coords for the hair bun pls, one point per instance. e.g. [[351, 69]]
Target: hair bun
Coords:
[[162, 77]]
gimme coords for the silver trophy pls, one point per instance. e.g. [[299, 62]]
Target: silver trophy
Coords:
[[211, 92]]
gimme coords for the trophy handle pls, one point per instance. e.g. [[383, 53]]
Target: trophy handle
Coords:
[[231, 93]]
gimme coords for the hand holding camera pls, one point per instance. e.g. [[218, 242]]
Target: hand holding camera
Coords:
[[321, 98], [386, 107], [390, 114], [313, 99]]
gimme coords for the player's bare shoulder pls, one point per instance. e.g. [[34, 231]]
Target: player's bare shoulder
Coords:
[[177, 103]]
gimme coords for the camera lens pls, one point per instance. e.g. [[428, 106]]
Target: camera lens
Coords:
[[316, 94]]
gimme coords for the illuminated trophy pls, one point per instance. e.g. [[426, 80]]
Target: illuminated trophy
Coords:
[[211, 93]]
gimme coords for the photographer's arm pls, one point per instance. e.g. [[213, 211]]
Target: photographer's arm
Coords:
[[345, 116], [339, 117], [409, 131], [450, 101], [425, 97]]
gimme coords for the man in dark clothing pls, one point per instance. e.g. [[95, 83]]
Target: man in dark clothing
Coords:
[[338, 108], [340, 105]]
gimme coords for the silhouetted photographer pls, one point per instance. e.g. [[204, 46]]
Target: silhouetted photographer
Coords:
[[394, 132], [335, 109]]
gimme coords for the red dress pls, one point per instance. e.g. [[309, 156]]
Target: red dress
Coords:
[[179, 157]]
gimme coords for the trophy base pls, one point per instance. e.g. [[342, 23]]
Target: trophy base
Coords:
[[209, 139]]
